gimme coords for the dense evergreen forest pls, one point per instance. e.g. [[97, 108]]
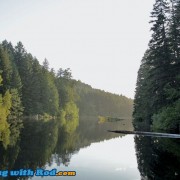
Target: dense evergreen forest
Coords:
[[30, 90], [157, 98], [102, 103]]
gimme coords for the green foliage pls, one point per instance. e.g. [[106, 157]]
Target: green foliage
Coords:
[[70, 117], [168, 118], [37, 143], [35, 85], [49, 94], [14, 119], [5, 105], [6, 68], [66, 74], [102, 119], [66, 90], [35, 92], [11, 106], [158, 82], [16, 108], [1, 80], [95, 102], [143, 105], [46, 64]]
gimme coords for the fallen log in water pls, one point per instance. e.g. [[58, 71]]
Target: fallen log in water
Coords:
[[167, 135]]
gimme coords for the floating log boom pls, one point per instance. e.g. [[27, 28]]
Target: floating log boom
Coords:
[[167, 135]]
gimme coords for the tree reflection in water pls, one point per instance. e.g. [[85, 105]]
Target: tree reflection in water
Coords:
[[158, 158], [43, 142]]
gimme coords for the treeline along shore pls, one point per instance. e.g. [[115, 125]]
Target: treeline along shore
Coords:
[[31, 90]]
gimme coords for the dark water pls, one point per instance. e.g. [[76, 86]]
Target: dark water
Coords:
[[91, 151]]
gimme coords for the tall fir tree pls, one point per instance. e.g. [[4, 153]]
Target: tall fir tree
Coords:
[[159, 58], [158, 82]]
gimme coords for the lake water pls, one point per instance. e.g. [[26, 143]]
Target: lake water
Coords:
[[104, 160], [92, 151]]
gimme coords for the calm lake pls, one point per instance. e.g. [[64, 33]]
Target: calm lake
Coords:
[[92, 152]]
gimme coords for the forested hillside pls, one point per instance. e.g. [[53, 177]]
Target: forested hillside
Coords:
[[157, 99], [95, 102], [31, 90]]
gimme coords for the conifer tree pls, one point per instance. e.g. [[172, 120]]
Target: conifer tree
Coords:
[[158, 83]]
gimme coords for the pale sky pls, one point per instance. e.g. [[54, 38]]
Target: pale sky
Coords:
[[101, 41]]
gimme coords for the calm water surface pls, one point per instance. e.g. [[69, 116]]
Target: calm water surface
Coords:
[[110, 159], [92, 152]]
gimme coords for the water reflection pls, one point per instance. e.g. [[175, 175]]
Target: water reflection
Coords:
[[91, 151], [34, 148], [158, 158], [44, 142], [104, 160]]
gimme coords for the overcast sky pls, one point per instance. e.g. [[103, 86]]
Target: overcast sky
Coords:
[[101, 41]]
